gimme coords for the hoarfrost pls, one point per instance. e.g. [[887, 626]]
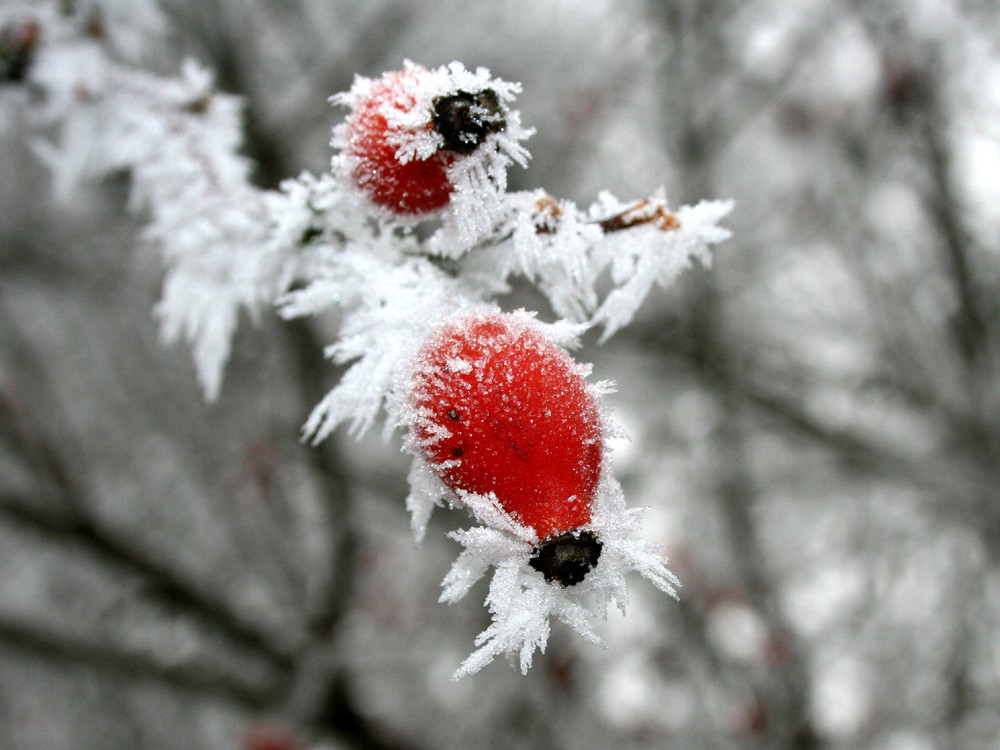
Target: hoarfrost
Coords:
[[230, 249], [654, 250], [522, 602]]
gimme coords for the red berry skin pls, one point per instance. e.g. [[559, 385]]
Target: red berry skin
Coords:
[[501, 408], [416, 188]]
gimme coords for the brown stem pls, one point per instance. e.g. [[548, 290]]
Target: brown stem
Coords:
[[641, 212]]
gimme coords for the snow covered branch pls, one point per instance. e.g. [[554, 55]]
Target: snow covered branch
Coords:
[[411, 228]]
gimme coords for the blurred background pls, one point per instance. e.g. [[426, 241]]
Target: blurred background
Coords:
[[815, 421]]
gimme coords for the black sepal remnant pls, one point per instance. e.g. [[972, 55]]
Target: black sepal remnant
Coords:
[[464, 120], [567, 558]]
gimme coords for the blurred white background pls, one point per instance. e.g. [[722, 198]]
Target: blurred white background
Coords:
[[815, 421]]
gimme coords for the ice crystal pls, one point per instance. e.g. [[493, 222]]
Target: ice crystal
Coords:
[[521, 601]]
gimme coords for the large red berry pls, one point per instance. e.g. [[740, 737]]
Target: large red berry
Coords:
[[395, 109], [501, 408]]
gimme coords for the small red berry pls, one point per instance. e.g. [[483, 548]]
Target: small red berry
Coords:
[[396, 109], [501, 408]]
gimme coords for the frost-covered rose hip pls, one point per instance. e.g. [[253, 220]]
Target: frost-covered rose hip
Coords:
[[407, 129], [501, 408], [504, 417]]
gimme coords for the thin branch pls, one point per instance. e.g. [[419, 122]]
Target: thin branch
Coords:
[[970, 328], [641, 212], [956, 477], [62, 647], [312, 371], [75, 524], [951, 477], [320, 695], [160, 582], [318, 692]]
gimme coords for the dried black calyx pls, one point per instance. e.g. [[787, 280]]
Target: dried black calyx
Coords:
[[464, 120], [567, 558]]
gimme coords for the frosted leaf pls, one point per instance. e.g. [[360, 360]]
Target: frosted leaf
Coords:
[[130, 27], [211, 227], [180, 139], [203, 310], [547, 242], [650, 249], [308, 211], [568, 253], [520, 621]]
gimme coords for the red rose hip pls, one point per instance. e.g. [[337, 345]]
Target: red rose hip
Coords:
[[395, 111], [501, 408]]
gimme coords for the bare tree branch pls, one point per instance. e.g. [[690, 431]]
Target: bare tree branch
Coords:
[[61, 647], [75, 525], [161, 584]]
